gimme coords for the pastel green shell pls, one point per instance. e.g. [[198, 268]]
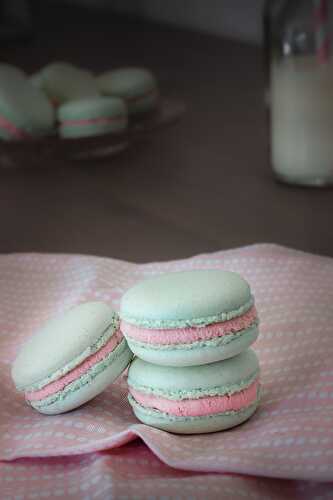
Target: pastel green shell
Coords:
[[190, 298]]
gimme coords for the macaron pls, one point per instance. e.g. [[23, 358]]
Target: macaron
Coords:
[[195, 399], [9, 69], [62, 81], [72, 359], [189, 318], [92, 116], [25, 112], [137, 86]]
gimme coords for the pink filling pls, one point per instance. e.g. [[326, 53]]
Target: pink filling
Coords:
[[13, 130], [199, 407], [191, 334], [90, 121], [78, 371]]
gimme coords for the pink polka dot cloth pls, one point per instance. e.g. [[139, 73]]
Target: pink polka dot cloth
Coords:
[[284, 451]]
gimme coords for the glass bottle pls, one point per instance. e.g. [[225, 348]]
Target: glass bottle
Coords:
[[298, 49]]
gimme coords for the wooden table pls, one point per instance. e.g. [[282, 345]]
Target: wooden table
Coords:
[[202, 185]]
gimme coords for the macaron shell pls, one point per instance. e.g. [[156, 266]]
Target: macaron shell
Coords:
[[9, 69], [126, 82], [186, 298], [62, 340], [37, 80], [95, 107], [62, 81], [23, 104], [136, 85], [197, 355], [228, 373], [92, 389], [89, 130], [192, 425]]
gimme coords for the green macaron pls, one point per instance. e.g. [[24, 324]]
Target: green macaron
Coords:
[[137, 86], [25, 112], [195, 399], [92, 116], [189, 318], [71, 359], [62, 82]]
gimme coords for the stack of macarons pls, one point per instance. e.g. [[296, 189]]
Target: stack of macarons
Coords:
[[190, 332], [72, 101], [136, 86]]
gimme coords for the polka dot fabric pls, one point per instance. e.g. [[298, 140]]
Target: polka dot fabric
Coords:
[[80, 454], [134, 472]]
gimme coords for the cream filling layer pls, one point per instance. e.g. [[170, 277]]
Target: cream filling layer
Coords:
[[119, 352], [204, 406], [14, 131], [191, 334], [59, 384], [58, 373]]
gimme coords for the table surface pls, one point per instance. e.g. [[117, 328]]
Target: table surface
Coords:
[[202, 185]]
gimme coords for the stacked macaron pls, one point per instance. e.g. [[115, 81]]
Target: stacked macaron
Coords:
[[191, 332], [124, 92], [137, 86], [92, 116], [85, 105], [195, 399]]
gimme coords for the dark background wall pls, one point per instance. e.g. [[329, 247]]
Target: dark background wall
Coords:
[[232, 18]]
